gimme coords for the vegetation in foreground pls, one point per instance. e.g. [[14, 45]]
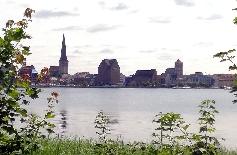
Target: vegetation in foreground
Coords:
[[89, 147], [171, 137], [23, 138]]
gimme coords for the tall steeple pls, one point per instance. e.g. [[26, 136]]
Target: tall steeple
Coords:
[[63, 50], [63, 62]]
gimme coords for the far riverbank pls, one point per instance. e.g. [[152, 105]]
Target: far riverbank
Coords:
[[69, 86]]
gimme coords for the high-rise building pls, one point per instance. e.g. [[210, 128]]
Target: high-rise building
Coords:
[[179, 68], [108, 72], [63, 62]]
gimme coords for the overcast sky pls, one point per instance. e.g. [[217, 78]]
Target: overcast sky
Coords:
[[140, 34]]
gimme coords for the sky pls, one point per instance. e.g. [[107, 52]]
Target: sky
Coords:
[[140, 34]]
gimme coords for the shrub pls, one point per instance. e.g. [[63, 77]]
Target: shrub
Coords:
[[15, 92]]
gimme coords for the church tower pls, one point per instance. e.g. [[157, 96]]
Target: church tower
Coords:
[[63, 62], [179, 68]]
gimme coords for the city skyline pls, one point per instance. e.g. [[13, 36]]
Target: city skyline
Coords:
[[109, 75], [138, 34]]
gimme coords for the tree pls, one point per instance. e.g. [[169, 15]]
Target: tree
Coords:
[[14, 92], [230, 56]]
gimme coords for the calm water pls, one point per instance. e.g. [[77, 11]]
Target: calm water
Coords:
[[133, 109]]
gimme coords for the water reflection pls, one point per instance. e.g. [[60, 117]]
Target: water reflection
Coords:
[[63, 122], [113, 119]]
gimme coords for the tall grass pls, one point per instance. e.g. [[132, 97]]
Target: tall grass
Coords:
[[89, 147]]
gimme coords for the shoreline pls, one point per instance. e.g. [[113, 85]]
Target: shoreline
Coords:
[[62, 86]]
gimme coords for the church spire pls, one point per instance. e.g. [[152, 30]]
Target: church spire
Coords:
[[63, 50], [63, 42], [63, 62]]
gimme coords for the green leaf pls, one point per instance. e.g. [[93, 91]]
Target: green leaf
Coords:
[[1, 42], [49, 115], [14, 93], [186, 127], [26, 50], [235, 20], [23, 112]]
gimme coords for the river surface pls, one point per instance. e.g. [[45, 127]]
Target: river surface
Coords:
[[131, 110]]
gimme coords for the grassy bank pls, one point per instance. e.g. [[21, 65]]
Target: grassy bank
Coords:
[[89, 147]]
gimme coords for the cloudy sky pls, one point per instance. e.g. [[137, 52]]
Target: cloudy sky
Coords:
[[140, 34]]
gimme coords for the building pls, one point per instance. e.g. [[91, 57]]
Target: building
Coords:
[[81, 79], [28, 73], [170, 77], [146, 75], [161, 80], [199, 80], [58, 71], [179, 68], [54, 71], [224, 80], [173, 76], [92, 79], [122, 79], [108, 72], [142, 78], [63, 62]]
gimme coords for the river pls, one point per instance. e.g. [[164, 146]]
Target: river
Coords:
[[131, 110]]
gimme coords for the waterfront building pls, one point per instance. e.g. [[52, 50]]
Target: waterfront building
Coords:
[[129, 81], [161, 79], [108, 72], [54, 81], [28, 73], [92, 79], [81, 75], [143, 78], [199, 80], [63, 62], [65, 79], [173, 76], [81, 79], [179, 68], [122, 79], [54, 71], [146, 75], [170, 77], [224, 80]]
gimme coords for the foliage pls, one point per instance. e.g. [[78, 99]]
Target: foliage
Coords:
[[229, 56], [170, 133], [19, 130], [87, 147], [172, 136], [167, 124], [101, 123], [205, 142]]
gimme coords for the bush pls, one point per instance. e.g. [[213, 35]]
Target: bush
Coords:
[[15, 92]]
